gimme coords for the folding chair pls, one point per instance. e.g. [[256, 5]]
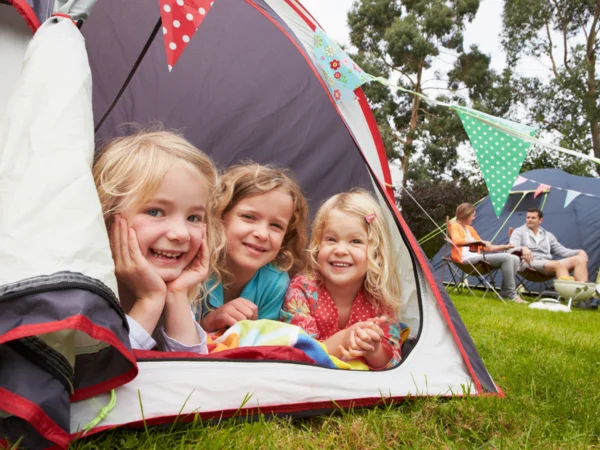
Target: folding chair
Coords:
[[459, 272], [545, 282]]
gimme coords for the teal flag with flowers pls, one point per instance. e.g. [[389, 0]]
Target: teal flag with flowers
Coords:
[[499, 154], [341, 74]]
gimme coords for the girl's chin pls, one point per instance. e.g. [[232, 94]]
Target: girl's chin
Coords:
[[168, 275]]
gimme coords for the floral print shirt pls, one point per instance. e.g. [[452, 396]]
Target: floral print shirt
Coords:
[[309, 305]]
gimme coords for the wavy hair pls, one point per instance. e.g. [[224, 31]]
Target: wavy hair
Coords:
[[252, 179], [129, 169], [382, 280]]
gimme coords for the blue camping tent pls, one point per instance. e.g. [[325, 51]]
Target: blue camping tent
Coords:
[[575, 226]]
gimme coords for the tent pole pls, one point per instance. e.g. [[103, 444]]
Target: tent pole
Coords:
[[507, 219], [435, 232]]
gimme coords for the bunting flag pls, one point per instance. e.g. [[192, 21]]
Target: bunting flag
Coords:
[[519, 180], [541, 189], [500, 155], [571, 195], [341, 74], [180, 20]]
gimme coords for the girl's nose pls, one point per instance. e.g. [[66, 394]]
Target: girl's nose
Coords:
[[178, 231], [340, 249], [260, 231]]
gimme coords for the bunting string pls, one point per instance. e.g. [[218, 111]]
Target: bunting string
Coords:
[[573, 192]]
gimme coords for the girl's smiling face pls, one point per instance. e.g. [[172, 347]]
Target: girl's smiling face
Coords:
[[342, 257], [254, 229], [169, 226]]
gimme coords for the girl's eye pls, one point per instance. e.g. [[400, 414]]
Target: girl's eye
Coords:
[[248, 216], [154, 212], [329, 239], [357, 241], [277, 225], [195, 218]]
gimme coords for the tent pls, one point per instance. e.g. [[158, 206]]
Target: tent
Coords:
[[63, 335], [246, 87], [574, 225]]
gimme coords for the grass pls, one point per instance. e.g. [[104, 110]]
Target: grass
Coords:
[[547, 364]]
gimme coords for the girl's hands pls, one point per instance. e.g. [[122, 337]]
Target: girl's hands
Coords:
[[362, 339], [195, 273], [131, 268], [229, 314]]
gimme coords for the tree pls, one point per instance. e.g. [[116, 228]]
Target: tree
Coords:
[[568, 104], [402, 38]]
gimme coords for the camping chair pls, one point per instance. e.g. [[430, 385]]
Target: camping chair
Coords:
[[459, 272], [545, 282]]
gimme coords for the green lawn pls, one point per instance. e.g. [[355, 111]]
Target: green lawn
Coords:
[[547, 364]]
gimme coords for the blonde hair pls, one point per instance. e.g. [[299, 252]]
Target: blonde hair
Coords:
[[464, 211], [382, 281], [249, 180], [128, 170]]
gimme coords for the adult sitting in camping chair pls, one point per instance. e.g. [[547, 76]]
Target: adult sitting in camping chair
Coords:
[[467, 249], [538, 247]]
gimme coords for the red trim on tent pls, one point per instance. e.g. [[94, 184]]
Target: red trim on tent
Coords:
[[27, 13], [385, 165], [81, 323], [307, 12], [27, 410], [262, 353], [434, 289], [301, 14], [275, 409]]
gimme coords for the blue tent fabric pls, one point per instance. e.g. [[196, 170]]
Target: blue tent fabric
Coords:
[[575, 226]]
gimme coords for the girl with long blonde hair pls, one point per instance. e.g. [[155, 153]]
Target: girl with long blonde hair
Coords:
[[155, 190], [349, 297]]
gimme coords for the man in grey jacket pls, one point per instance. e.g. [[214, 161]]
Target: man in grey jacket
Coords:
[[539, 246]]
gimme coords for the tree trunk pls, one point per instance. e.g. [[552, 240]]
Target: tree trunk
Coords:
[[592, 112], [412, 127]]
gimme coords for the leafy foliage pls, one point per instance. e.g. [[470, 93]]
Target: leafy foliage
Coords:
[[401, 40], [567, 33]]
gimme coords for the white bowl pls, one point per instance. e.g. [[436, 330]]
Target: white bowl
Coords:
[[576, 290]]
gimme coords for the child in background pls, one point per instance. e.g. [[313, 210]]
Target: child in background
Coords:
[[351, 291], [154, 188], [265, 218]]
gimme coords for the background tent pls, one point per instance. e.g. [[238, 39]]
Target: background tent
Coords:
[[575, 226], [63, 335], [246, 87]]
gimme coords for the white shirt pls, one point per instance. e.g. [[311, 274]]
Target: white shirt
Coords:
[[141, 340], [466, 252]]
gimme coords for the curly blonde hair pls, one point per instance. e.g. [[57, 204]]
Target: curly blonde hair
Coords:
[[128, 170], [252, 179], [382, 280]]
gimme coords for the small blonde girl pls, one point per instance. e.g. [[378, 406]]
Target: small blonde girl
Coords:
[[265, 217], [155, 190], [349, 297]]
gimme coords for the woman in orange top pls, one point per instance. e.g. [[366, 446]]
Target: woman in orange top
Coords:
[[461, 232]]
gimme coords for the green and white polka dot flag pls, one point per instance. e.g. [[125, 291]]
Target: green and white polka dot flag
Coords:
[[500, 155]]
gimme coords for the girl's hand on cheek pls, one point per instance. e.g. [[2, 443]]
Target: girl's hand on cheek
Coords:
[[195, 273], [131, 268]]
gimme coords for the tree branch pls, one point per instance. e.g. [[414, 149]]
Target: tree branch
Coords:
[[550, 52], [591, 38], [563, 22]]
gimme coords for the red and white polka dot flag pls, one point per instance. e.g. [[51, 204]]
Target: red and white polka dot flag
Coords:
[[180, 20]]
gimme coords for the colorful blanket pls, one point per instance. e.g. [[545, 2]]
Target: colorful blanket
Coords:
[[252, 333]]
